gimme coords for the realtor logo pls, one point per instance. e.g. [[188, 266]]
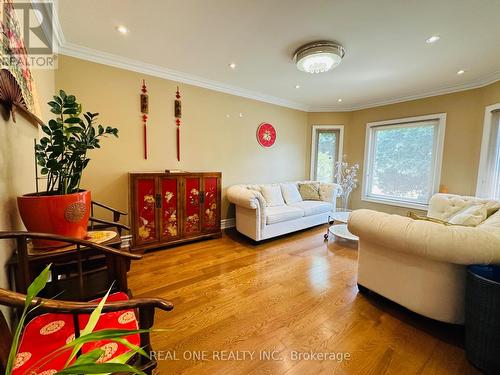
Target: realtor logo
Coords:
[[27, 30]]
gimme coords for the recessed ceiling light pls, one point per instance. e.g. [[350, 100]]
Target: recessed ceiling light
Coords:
[[297, 86], [318, 57], [122, 29], [432, 39], [339, 100], [460, 72], [232, 66]]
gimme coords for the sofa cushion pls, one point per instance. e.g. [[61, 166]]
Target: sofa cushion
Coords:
[[327, 191], [290, 193], [313, 207], [278, 214], [309, 191], [272, 195], [444, 206], [47, 333], [492, 223], [470, 216]]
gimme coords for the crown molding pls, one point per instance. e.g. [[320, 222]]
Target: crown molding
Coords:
[[74, 50], [475, 84]]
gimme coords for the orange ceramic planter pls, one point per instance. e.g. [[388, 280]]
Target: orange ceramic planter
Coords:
[[65, 215]]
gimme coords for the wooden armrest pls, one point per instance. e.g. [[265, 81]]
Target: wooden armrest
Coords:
[[109, 208], [69, 240], [110, 223], [13, 299]]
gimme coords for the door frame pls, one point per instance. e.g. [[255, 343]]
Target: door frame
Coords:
[[482, 175], [312, 173]]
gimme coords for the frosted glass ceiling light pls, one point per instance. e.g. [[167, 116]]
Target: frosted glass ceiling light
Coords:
[[318, 57]]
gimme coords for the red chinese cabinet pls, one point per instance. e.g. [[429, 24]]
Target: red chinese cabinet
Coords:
[[170, 208]]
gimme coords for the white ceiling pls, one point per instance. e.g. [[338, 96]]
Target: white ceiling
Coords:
[[387, 59]]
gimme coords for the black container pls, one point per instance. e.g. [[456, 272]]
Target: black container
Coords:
[[482, 318]]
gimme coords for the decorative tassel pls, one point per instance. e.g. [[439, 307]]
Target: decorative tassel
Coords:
[[178, 145], [145, 117]]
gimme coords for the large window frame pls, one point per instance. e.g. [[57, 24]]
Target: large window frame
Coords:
[[438, 146], [314, 142], [488, 151]]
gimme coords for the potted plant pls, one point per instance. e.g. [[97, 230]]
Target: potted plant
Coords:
[[61, 153]]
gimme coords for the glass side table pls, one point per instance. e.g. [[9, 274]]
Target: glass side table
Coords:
[[337, 225]]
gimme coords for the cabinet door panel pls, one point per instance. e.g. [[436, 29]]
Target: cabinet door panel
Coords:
[[169, 212], [191, 220], [145, 208], [211, 209]]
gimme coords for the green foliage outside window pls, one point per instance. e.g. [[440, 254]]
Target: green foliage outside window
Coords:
[[326, 152], [402, 164]]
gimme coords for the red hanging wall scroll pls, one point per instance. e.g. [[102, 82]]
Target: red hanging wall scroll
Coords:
[[145, 111], [178, 115]]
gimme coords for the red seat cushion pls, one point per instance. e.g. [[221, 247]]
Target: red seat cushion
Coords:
[[48, 332]]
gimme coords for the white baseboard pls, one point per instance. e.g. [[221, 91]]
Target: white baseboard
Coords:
[[228, 223], [224, 224]]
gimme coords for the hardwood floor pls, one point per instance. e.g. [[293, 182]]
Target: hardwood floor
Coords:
[[284, 298]]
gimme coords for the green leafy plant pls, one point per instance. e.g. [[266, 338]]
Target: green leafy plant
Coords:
[[62, 152], [86, 363]]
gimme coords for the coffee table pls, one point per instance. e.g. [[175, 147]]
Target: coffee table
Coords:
[[340, 229]]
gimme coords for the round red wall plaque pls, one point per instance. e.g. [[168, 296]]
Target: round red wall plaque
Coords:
[[266, 134]]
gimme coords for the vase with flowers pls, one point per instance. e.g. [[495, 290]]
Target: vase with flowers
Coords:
[[346, 176]]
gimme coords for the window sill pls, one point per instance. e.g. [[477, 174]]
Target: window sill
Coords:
[[397, 203]]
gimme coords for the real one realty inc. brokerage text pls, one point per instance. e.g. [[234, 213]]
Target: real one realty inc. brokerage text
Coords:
[[248, 355]]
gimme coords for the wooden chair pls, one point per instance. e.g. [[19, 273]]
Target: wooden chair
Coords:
[[100, 224], [75, 312], [83, 270]]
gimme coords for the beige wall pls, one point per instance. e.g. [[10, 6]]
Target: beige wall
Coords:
[[210, 140], [17, 174], [490, 94], [465, 113]]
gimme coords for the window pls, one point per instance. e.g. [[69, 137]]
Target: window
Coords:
[[488, 180], [403, 160], [325, 151]]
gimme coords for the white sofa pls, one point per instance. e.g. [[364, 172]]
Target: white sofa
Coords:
[[421, 264], [256, 220]]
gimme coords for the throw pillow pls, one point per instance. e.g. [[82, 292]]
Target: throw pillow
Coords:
[[290, 193], [470, 216], [272, 195], [326, 192], [309, 191]]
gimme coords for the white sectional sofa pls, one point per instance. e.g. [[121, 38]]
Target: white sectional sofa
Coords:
[[258, 219], [422, 264]]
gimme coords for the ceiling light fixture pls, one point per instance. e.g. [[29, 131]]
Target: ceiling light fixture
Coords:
[[297, 86], [460, 72], [432, 39], [318, 57], [232, 66], [339, 100], [122, 29]]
